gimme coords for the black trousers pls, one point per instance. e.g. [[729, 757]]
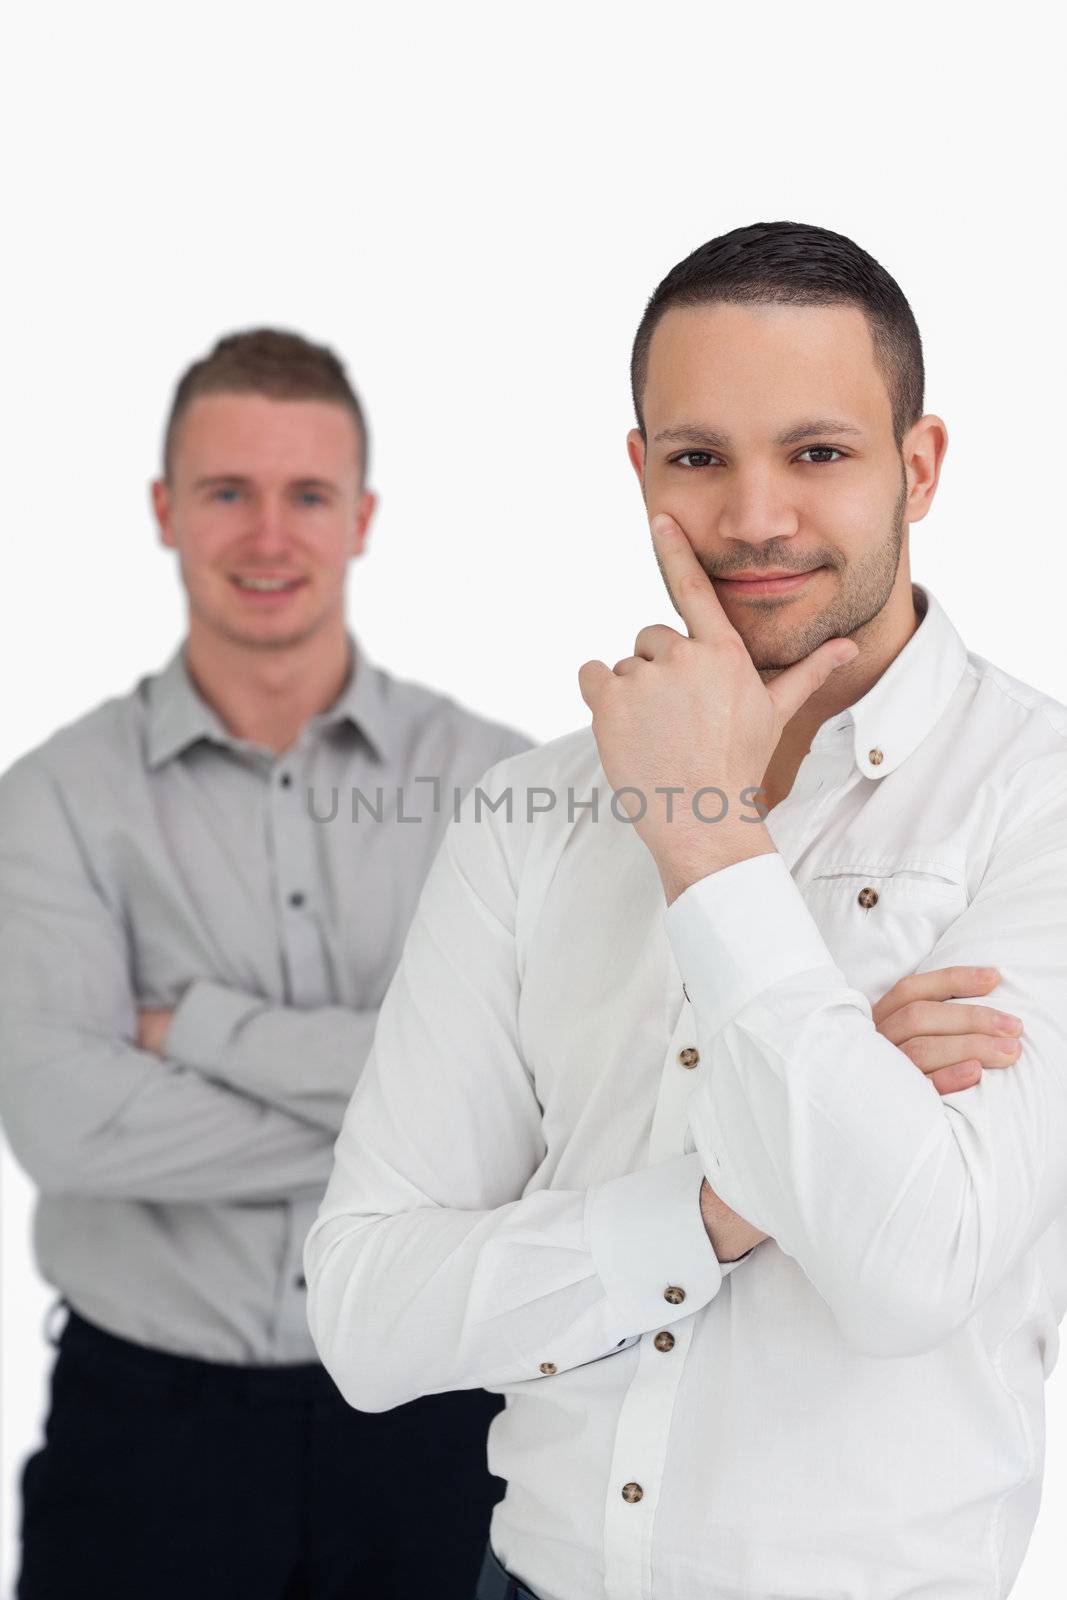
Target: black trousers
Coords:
[[165, 1478]]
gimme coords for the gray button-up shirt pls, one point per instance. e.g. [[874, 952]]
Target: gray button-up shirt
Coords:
[[148, 858]]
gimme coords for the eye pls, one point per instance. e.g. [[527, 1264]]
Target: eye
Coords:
[[311, 497], [226, 495], [692, 460], [821, 450]]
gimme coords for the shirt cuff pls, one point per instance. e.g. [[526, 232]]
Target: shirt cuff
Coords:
[[204, 1022], [740, 930], [649, 1244]]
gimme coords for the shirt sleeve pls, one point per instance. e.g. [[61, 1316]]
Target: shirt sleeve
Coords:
[[305, 1061], [435, 1262], [513, 743], [85, 1110], [904, 1208]]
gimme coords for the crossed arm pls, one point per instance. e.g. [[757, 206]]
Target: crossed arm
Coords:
[[430, 1267], [905, 1210], [302, 1061], [247, 1112]]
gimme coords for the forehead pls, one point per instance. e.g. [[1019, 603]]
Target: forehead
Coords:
[[252, 434], [763, 365]]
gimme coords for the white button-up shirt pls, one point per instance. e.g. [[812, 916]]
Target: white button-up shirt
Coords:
[[854, 1410]]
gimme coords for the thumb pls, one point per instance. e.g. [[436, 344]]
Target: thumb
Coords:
[[797, 683]]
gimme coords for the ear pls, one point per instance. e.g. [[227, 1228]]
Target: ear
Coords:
[[365, 509], [923, 451], [635, 449], [161, 506]]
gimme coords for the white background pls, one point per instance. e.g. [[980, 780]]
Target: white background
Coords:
[[472, 202]]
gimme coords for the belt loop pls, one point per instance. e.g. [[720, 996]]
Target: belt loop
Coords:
[[51, 1336]]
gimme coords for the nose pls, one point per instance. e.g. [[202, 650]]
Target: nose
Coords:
[[755, 508], [267, 533]]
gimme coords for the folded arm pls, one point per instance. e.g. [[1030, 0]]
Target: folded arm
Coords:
[[302, 1060], [905, 1209], [85, 1110]]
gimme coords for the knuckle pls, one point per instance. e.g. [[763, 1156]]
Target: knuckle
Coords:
[[900, 992], [692, 583], [911, 1015]]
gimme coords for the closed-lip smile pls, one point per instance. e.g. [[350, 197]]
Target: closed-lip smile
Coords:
[[767, 582]]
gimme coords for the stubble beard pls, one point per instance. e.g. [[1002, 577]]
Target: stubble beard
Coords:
[[860, 597]]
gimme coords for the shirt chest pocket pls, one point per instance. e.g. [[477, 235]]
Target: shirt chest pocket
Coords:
[[881, 915]]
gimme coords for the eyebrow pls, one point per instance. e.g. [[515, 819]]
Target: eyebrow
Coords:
[[711, 439], [231, 478]]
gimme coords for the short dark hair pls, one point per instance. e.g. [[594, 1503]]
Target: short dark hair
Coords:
[[272, 362], [792, 263]]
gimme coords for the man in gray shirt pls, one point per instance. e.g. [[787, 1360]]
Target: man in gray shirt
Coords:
[[204, 889]]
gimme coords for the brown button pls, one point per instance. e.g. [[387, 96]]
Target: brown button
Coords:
[[875, 757], [548, 1368], [632, 1493], [688, 1057], [664, 1341], [673, 1295], [868, 897]]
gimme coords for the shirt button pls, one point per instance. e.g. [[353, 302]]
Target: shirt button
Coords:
[[688, 1057], [875, 757], [664, 1341], [685, 991], [301, 1282], [673, 1295], [632, 1493], [868, 897], [296, 898], [285, 780], [548, 1368]]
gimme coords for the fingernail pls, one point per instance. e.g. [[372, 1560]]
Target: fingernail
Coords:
[[1006, 1023], [984, 972], [846, 653]]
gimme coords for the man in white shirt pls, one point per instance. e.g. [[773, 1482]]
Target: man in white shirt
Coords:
[[641, 1144]]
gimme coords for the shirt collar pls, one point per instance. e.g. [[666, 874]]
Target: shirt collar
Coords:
[[179, 716], [895, 715]]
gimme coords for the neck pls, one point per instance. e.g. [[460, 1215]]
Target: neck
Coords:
[[880, 641], [267, 695]]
